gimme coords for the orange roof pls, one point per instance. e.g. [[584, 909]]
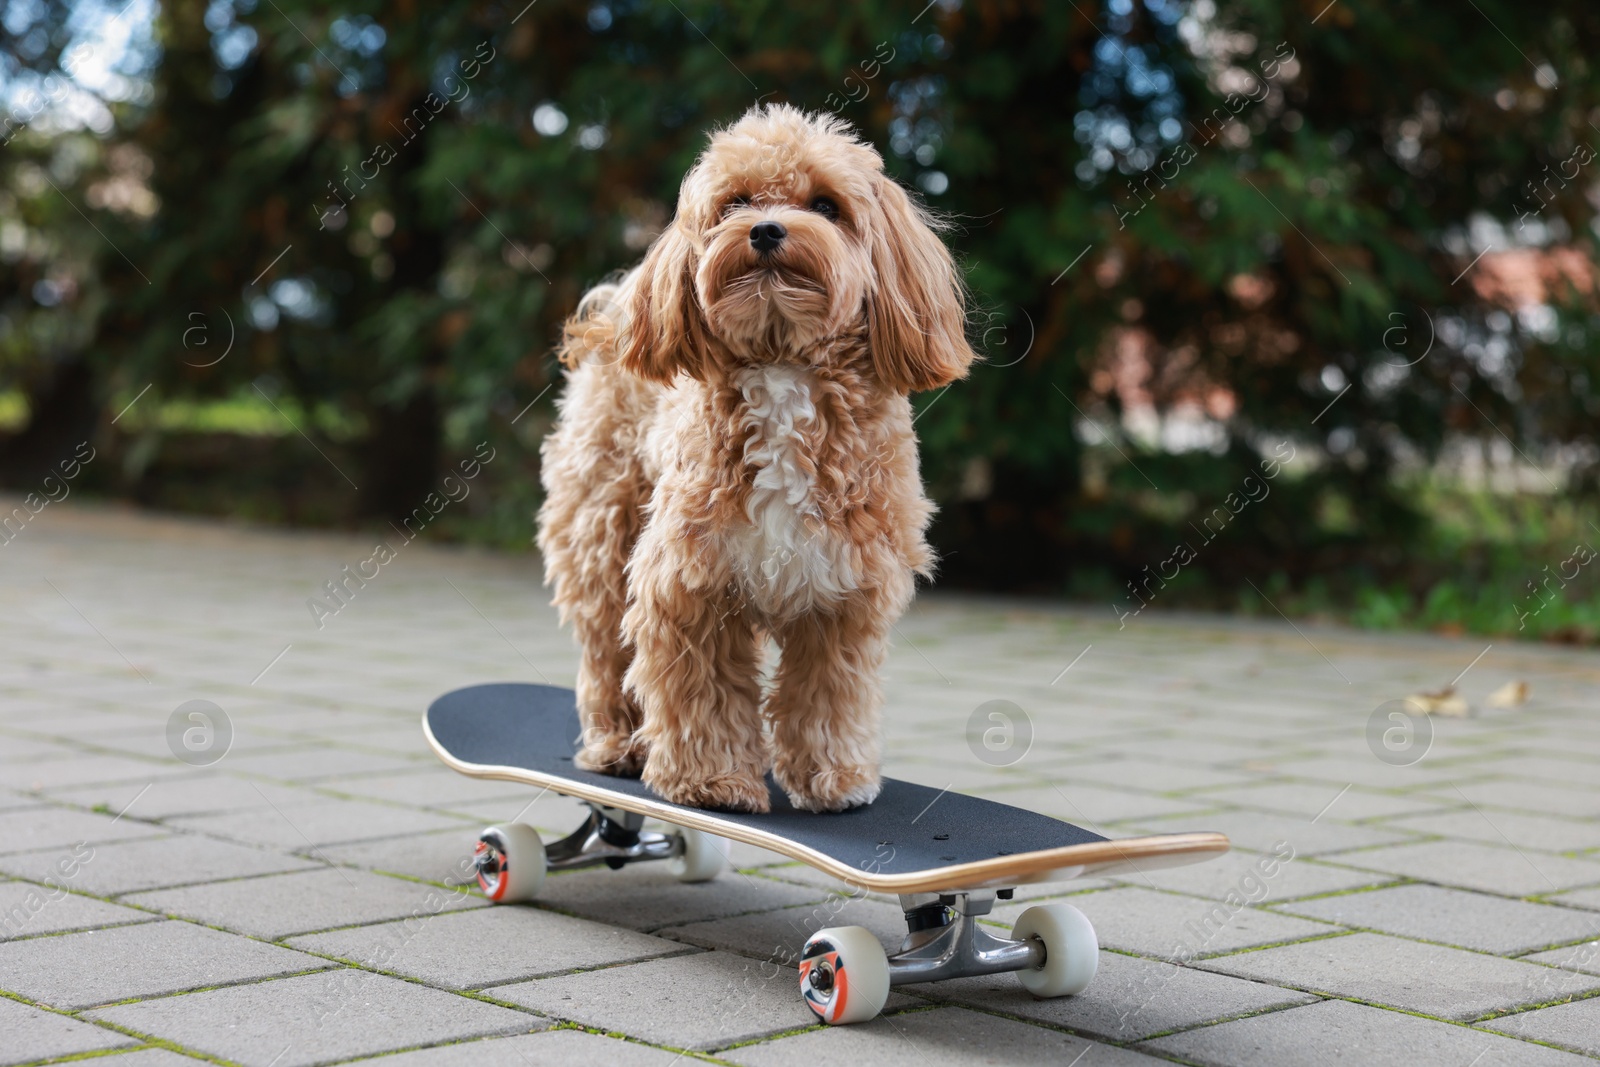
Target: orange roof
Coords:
[[1521, 277]]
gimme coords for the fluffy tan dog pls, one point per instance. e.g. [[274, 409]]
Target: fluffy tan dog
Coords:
[[734, 458]]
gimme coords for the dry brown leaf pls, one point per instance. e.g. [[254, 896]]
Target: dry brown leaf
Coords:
[[1509, 695], [1444, 702]]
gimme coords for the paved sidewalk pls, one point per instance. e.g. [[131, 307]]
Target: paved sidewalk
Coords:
[[1390, 901]]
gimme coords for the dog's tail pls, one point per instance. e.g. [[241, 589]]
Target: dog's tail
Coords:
[[594, 332]]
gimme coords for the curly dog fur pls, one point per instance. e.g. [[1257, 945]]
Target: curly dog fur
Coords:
[[734, 459]]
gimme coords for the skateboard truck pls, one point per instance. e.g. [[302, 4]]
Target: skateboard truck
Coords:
[[845, 974], [511, 860], [611, 837], [946, 941]]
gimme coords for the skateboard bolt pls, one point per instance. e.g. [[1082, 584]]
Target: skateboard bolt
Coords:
[[821, 978]]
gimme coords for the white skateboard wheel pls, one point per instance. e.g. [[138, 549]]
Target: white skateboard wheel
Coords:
[[844, 975], [1071, 950], [701, 859], [511, 863]]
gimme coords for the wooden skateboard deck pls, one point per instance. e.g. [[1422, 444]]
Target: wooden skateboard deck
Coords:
[[912, 839]]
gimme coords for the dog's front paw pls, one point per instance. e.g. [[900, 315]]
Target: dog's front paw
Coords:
[[619, 756], [830, 788], [738, 791]]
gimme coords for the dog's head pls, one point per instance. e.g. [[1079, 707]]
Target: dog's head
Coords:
[[789, 233]]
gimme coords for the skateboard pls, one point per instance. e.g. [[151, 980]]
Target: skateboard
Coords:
[[947, 856]]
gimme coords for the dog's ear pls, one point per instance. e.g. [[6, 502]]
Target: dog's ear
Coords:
[[666, 328], [917, 312]]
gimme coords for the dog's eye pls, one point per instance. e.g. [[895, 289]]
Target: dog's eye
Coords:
[[826, 207], [734, 204]]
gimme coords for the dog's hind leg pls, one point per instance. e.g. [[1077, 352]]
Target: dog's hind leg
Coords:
[[595, 493], [609, 715]]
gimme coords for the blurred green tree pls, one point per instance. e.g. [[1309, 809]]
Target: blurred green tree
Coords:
[[1242, 222]]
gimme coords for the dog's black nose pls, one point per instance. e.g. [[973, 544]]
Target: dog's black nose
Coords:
[[766, 236]]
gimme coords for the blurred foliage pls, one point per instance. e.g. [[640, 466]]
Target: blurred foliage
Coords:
[[1252, 217]]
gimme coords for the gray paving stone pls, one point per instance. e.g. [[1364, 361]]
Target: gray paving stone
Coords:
[[1564, 769], [489, 946], [11, 800], [706, 1001], [316, 1018], [1155, 776], [1468, 865], [1165, 925], [438, 787], [290, 720], [1454, 917], [1540, 832], [278, 905], [100, 966], [1023, 894], [34, 1034], [185, 796], [1575, 1025], [1191, 749], [1584, 957], [321, 762], [1246, 874], [1336, 1033], [151, 1057], [647, 899], [28, 910], [444, 856], [1312, 799], [942, 1037], [550, 1048], [1566, 739], [150, 741], [17, 750], [744, 857], [1447, 983], [1129, 998], [393, 735], [799, 874], [1262, 832], [778, 936], [1578, 898], [50, 828], [552, 815], [1363, 769], [89, 769], [1538, 798], [325, 821], [100, 699], [130, 866]]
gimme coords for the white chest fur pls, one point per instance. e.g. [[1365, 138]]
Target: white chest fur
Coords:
[[786, 557]]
